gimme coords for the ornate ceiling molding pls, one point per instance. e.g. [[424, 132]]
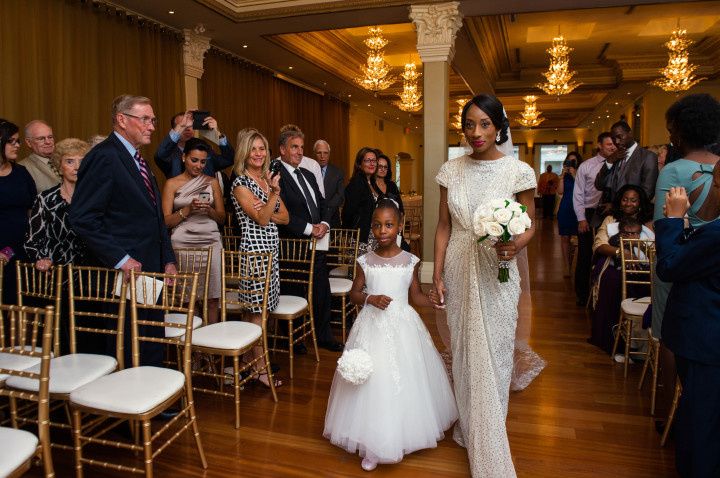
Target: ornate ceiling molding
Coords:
[[490, 40], [436, 26]]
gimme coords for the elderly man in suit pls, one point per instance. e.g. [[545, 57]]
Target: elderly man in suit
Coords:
[[691, 329], [308, 218], [41, 141], [635, 164], [334, 181], [116, 207]]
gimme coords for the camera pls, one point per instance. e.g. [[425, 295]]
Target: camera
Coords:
[[275, 166]]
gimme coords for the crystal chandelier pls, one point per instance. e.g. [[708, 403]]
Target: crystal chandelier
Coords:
[[410, 97], [376, 73], [678, 74], [558, 75], [530, 117], [457, 118]]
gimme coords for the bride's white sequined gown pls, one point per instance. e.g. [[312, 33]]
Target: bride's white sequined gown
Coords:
[[481, 312]]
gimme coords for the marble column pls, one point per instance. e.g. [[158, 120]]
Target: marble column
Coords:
[[195, 46], [436, 26]]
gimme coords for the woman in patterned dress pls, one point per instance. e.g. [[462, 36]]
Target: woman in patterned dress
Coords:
[[482, 313], [50, 239], [259, 209]]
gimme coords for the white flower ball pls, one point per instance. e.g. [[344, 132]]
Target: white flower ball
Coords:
[[494, 229], [525, 218], [516, 226], [497, 203], [355, 366], [503, 216]]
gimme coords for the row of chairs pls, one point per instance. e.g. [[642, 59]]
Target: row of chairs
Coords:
[[637, 270]]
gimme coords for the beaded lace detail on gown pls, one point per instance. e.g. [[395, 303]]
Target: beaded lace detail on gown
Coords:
[[481, 312]]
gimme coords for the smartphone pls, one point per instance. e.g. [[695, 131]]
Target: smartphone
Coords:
[[198, 118], [204, 196], [275, 166]]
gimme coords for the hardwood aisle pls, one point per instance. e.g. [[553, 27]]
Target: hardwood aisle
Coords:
[[580, 418]]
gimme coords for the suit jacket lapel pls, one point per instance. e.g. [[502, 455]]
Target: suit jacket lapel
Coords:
[[129, 163]]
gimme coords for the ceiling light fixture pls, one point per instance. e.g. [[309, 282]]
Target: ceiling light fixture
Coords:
[[530, 116], [410, 97], [171, 12], [457, 118], [558, 75], [376, 72], [678, 74]]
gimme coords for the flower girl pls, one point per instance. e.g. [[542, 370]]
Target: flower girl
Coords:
[[390, 394]]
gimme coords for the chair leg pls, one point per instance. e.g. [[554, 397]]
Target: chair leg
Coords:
[[647, 363], [344, 318], [196, 429], [628, 340], [147, 448], [77, 443], [617, 336], [671, 415], [268, 370], [314, 338], [655, 371], [291, 347], [236, 385]]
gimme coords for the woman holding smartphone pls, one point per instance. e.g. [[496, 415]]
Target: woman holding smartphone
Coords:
[[193, 207]]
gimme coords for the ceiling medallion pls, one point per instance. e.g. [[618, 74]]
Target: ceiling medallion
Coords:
[[530, 116], [376, 73], [558, 75], [410, 97], [457, 118], [678, 74]]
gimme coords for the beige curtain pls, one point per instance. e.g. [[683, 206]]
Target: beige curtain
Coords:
[[65, 61], [241, 95]]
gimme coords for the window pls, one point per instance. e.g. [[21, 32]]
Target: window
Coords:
[[516, 152], [553, 155]]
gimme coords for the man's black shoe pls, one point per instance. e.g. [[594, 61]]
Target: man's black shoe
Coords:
[[332, 346], [168, 414]]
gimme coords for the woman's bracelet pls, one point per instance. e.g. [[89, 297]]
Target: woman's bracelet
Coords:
[[180, 213], [367, 296]]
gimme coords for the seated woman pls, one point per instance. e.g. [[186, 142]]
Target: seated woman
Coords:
[[193, 207], [631, 208], [50, 239]]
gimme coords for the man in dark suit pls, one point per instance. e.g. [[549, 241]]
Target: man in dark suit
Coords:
[[169, 154], [334, 181], [636, 165], [308, 218], [116, 206], [691, 329]]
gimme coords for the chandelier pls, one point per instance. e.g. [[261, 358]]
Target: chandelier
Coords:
[[558, 75], [376, 72], [457, 118], [410, 97], [530, 117], [678, 74]]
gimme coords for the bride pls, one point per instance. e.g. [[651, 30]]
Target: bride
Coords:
[[482, 313]]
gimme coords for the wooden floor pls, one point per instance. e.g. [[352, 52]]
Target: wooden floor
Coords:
[[580, 418]]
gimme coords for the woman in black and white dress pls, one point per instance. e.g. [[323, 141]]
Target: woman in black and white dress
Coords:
[[50, 239], [259, 209]]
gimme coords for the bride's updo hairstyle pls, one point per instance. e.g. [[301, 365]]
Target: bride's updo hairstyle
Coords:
[[495, 111], [388, 203]]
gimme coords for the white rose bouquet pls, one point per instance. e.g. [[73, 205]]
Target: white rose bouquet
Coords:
[[499, 220]]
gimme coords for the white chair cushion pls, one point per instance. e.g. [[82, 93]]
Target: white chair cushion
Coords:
[[133, 390], [15, 362], [17, 448], [173, 332], [68, 372], [290, 304], [341, 271], [340, 286], [635, 307], [230, 335]]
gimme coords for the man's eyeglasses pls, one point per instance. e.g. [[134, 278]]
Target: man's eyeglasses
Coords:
[[146, 120], [42, 139]]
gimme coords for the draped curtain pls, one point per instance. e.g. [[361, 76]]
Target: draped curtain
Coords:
[[64, 61], [241, 95]]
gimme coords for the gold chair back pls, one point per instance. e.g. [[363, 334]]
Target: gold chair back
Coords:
[[44, 287], [231, 242], [242, 273], [297, 261], [343, 250], [635, 256], [28, 332], [91, 289], [197, 260]]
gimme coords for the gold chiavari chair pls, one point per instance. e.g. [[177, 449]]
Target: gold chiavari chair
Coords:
[[196, 260], [139, 393], [231, 242], [412, 228], [652, 360], [90, 288], [229, 227], [249, 272], [635, 271], [41, 288], [671, 413], [297, 260], [24, 354], [342, 254]]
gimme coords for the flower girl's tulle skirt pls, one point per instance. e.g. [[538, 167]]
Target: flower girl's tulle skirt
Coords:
[[406, 404]]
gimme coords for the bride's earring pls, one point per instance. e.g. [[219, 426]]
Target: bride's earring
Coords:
[[497, 137]]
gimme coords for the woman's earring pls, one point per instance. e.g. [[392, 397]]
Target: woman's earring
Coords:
[[497, 137]]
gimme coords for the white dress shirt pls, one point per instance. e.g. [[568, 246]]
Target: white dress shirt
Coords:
[[585, 195], [314, 167], [291, 170]]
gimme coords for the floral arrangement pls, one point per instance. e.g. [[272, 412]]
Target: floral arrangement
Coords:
[[355, 366], [499, 220]]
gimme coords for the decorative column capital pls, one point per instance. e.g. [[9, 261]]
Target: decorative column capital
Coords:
[[195, 45], [436, 25]]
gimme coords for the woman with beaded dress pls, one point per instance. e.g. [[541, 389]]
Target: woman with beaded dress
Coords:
[[482, 313]]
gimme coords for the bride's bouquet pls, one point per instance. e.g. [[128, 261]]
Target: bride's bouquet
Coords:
[[499, 220]]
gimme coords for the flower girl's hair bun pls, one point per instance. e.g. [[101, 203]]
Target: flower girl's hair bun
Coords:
[[494, 109]]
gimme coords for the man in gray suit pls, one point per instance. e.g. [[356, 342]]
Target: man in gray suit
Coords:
[[635, 164], [333, 179]]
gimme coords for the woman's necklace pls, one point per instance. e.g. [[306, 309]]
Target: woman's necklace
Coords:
[[64, 193], [260, 181]]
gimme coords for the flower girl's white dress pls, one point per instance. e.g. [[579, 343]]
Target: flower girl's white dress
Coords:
[[407, 403]]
